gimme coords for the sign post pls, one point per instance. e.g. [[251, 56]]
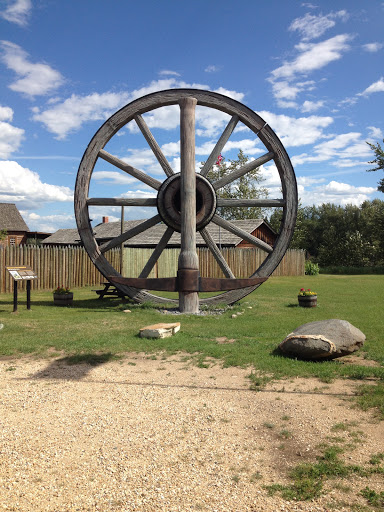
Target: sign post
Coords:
[[21, 273]]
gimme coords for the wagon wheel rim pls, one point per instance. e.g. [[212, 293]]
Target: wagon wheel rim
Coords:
[[275, 152]]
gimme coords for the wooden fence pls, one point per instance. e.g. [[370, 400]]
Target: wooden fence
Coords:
[[71, 266]]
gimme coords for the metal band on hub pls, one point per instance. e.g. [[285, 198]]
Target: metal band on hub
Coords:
[[168, 202]]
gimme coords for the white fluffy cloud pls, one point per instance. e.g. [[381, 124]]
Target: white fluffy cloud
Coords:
[[34, 79], [47, 223], [375, 87], [20, 184], [17, 11], [10, 136], [312, 57], [372, 47], [313, 26], [68, 116], [344, 150], [311, 106], [297, 131]]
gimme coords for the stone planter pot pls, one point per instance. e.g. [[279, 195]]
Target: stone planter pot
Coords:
[[308, 301], [63, 299]]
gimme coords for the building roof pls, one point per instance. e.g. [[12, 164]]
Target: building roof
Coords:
[[10, 218], [151, 237]]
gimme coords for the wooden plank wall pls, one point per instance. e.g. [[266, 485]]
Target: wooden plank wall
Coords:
[[71, 266]]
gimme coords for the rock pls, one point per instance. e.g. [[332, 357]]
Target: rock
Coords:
[[233, 316], [326, 339], [159, 330], [126, 311], [1, 326]]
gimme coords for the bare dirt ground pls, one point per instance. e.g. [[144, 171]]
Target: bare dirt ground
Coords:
[[162, 435]]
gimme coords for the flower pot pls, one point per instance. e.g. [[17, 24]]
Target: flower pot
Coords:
[[307, 301], [63, 299]]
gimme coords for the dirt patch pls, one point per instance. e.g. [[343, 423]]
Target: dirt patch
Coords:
[[144, 434]]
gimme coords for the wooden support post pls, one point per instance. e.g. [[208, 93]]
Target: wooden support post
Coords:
[[14, 296], [29, 294], [122, 245], [188, 259]]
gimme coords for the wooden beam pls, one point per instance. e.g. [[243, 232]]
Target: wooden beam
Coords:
[[153, 145], [188, 259], [157, 252], [136, 173], [136, 230], [249, 166], [117, 201], [263, 203], [216, 253], [219, 221], [212, 159]]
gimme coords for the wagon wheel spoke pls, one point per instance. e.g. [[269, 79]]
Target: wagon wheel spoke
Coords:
[[157, 252], [212, 159], [219, 221], [225, 180], [136, 230], [216, 253], [153, 145], [117, 201], [136, 173], [249, 203]]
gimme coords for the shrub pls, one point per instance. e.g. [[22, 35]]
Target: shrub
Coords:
[[312, 269]]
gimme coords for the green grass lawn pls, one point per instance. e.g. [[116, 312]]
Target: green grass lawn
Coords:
[[95, 330], [270, 313]]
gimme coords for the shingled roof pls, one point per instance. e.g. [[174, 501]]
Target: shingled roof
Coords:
[[151, 237], [10, 218]]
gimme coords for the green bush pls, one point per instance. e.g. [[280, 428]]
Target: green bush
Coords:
[[312, 269]]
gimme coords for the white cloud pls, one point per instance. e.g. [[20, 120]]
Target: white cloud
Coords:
[[10, 136], [35, 79], [21, 185], [47, 223], [17, 11], [6, 113], [113, 177], [313, 56], [297, 131], [344, 150], [312, 26], [336, 193], [372, 47], [168, 72], [375, 87], [69, 115], [375, 133], [311, 106], [212, 68]]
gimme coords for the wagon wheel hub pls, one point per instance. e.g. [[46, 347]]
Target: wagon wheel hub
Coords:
[[169, 202]]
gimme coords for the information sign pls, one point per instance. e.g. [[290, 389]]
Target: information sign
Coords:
[[21, 273]]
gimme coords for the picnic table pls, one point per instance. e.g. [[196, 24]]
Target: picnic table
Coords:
[[110, 290]]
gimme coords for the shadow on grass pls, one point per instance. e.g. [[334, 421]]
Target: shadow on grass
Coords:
[[74, 367], [93, 304]]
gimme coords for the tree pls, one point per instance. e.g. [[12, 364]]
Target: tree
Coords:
[[245, 187], [378, 161], [3, 234]]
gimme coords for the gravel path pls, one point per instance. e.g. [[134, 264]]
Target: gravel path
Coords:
[[162, 435]]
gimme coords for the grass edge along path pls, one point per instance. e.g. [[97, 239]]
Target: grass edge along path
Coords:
[[250, 339]]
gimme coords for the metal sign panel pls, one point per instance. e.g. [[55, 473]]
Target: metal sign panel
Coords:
[[20, 273]]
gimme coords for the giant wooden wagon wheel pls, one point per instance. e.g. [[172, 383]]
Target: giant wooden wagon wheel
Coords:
[[186, 201]]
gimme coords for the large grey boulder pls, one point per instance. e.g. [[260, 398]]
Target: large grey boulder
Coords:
[[326, 339]]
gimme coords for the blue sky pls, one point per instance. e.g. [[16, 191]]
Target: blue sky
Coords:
[[313, 71]]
